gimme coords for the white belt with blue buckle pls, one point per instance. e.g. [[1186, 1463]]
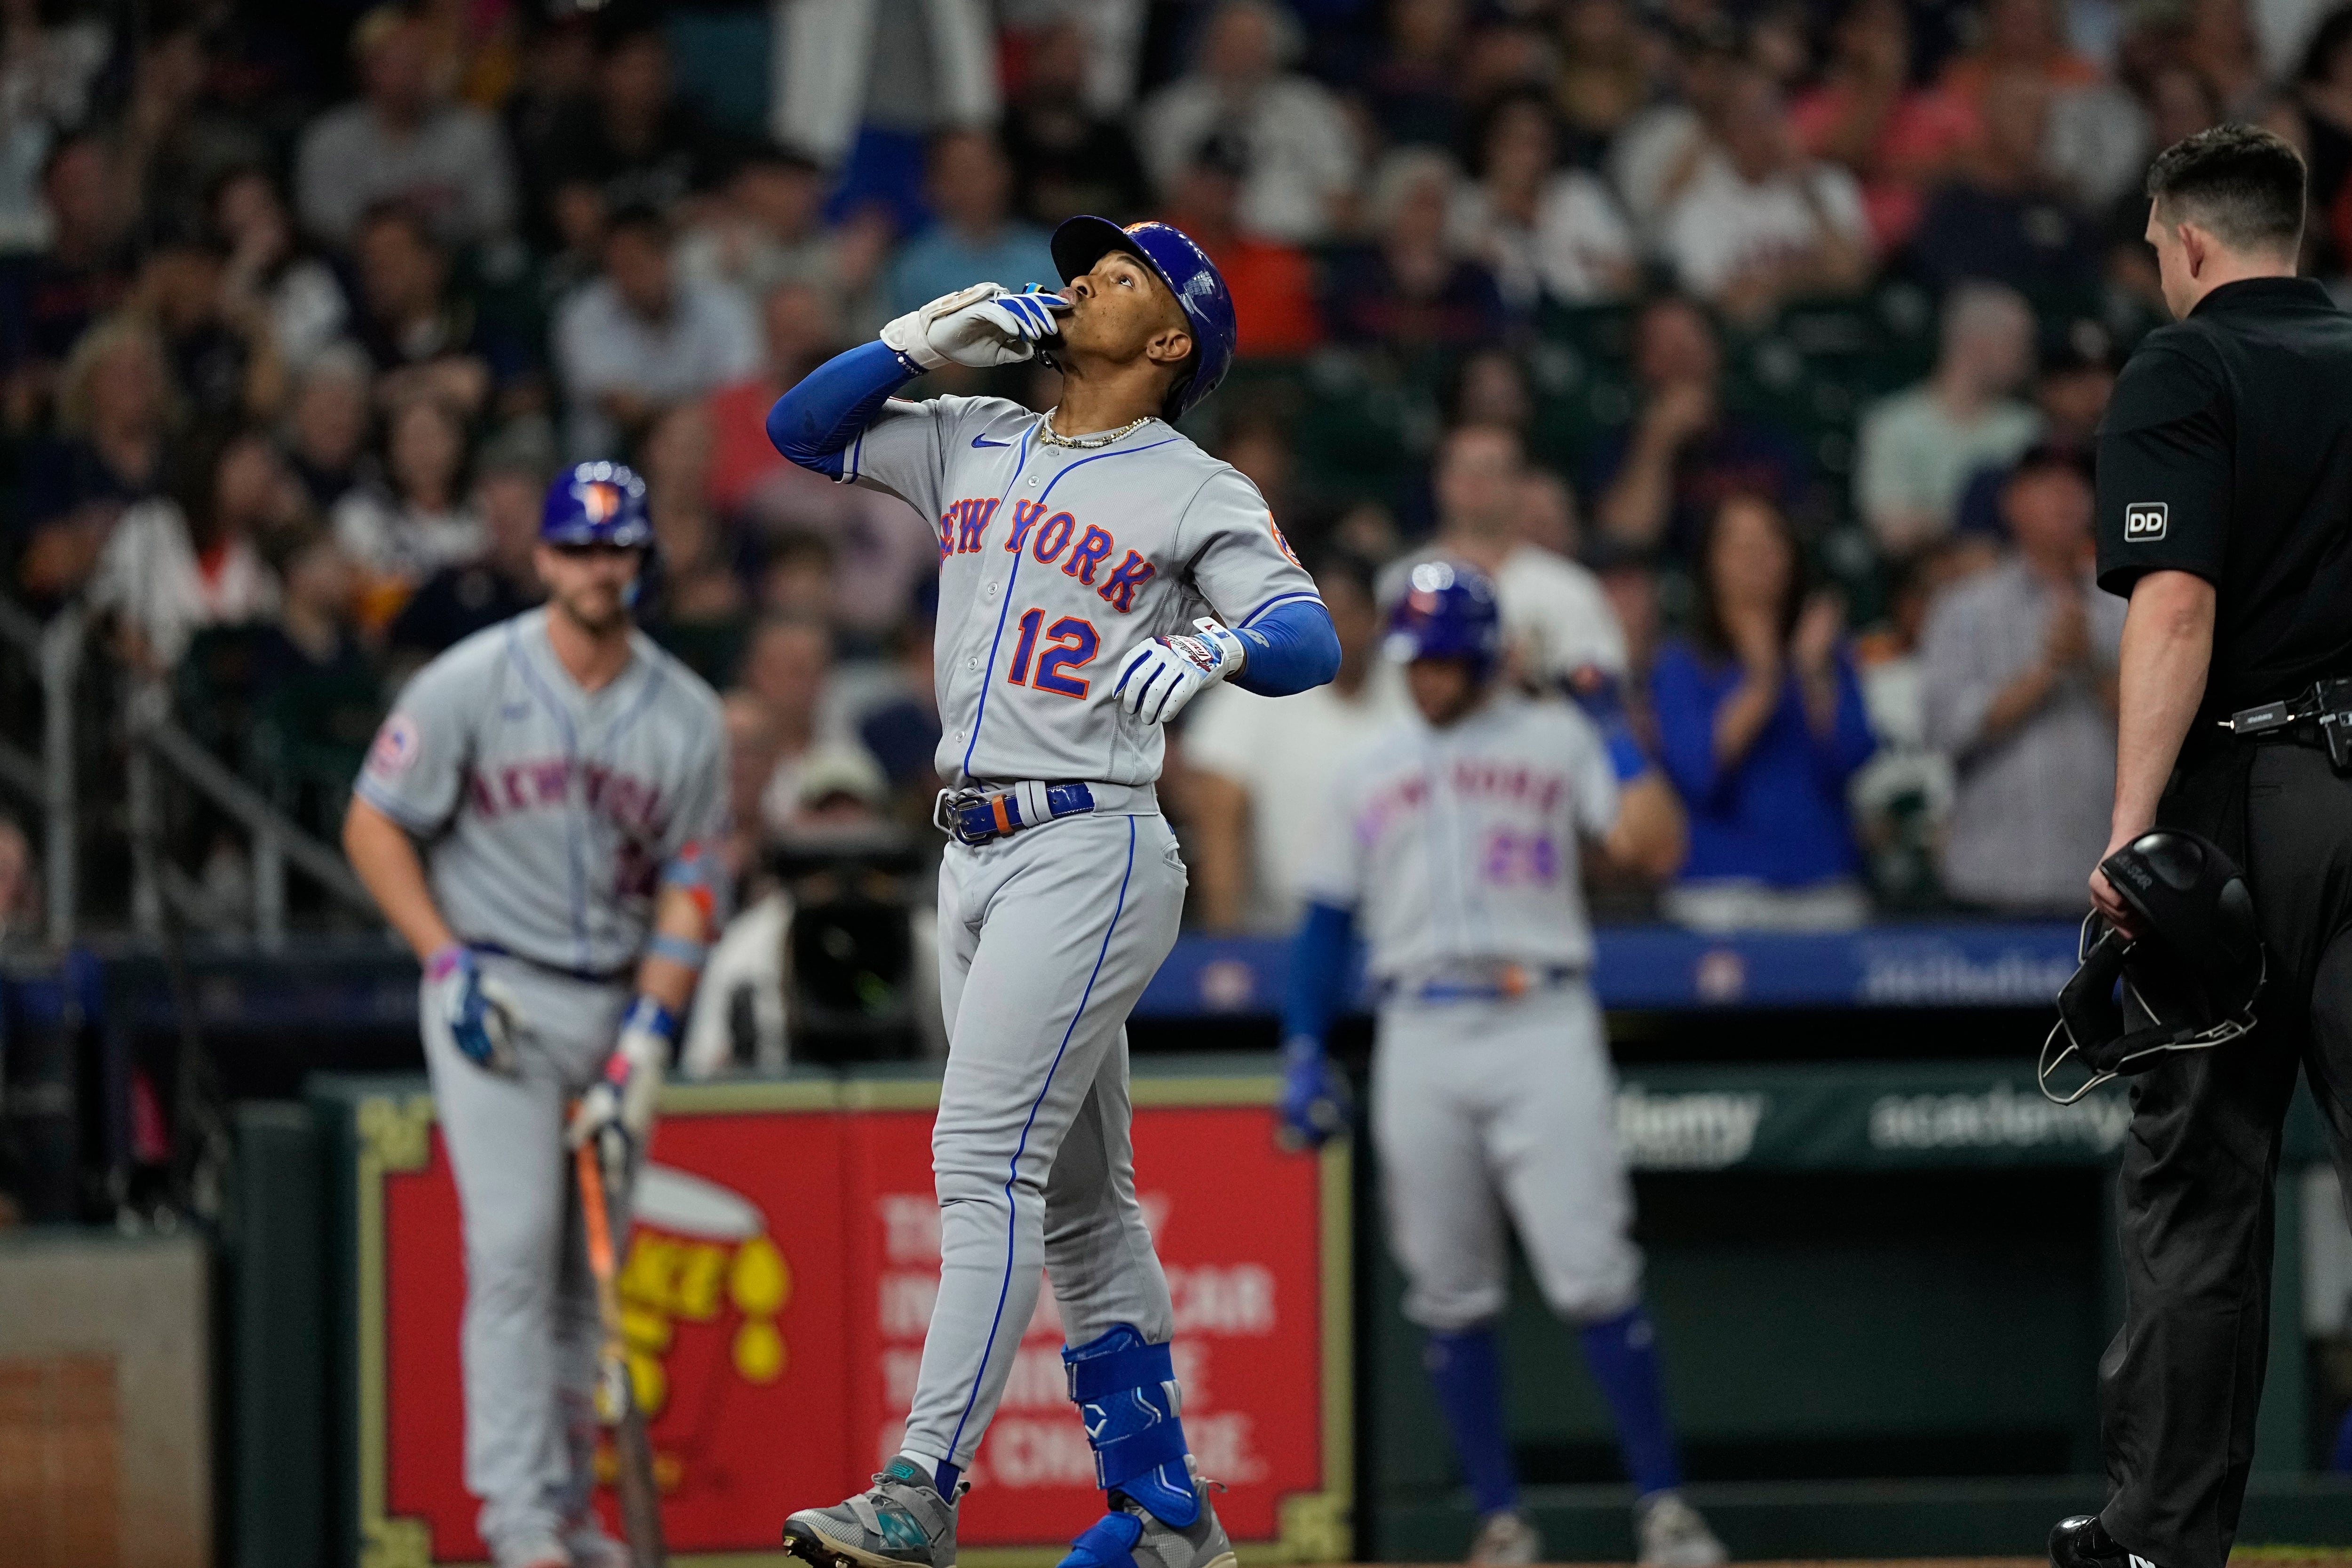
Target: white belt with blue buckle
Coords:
[[982, 814]]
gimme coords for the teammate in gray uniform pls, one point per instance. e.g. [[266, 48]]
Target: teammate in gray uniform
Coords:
[[566, 781], [1075, 550], [1454, 840]]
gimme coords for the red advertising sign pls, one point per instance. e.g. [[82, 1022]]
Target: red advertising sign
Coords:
[[775, 1295]]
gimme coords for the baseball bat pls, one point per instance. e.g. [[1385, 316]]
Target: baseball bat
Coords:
[[640, 1498]]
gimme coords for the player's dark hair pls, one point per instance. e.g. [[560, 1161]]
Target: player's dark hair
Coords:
[[1708, 629], [2242, 183]]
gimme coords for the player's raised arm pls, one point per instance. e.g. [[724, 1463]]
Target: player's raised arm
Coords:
[[819, 423]]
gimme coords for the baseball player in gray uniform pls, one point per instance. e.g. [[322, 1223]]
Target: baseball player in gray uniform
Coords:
[[1454, 842], [565, 782], [1075, 550]]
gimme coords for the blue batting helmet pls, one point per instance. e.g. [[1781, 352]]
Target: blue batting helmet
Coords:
[[1190, 275], [1447, 612], [597, 503]]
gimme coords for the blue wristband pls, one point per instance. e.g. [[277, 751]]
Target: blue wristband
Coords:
[[677, 949]]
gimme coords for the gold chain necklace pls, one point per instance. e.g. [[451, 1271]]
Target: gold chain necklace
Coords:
[[1087, 443]]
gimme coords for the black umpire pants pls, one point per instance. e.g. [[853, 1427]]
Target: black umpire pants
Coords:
[[2181, 1382]]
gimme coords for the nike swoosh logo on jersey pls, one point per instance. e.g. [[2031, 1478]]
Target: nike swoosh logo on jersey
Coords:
[[984, 441]]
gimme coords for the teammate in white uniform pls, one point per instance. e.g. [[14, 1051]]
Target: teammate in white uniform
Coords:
[[1076, 549], [566, 781], [1454, 842]]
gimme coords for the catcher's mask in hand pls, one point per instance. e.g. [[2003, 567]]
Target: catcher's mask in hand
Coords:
[[2195, 970]]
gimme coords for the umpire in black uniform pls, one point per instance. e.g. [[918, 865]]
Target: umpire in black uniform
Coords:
[[2225, 514]]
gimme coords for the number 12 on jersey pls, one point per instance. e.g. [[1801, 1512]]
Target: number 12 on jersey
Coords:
[[1070, 644]]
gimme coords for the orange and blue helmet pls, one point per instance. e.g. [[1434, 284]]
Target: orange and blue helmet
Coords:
[[1191, 276], [597, 504]]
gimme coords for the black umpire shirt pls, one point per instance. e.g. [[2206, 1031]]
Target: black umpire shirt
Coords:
[[2227, 451]]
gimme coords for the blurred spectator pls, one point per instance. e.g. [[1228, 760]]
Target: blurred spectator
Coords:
[[700, 611], [463, 596], [398, 142], [1490, 388], [2004, 218], [1259, 770], [1604, 74], [629, 140], [797, 579], [223, 354], [1653, 158], [1903, 796], [1661, 478], [1413, 89], [797, 319], [328, 423], [2018, 36], [640, 338], [312, 645], [114, 409], [20, 915], [2076, 376], [976, 239], [1067, 159], [1759, 223], [2020, 670], [1555, 620], [1761, 723], [1918, 447], [863, 86], [752, 750], [1409, 290], [901, 728], [46, 70], [187, 559], [1300, 154], [767, 228], [425, 339], [48, 301], [401, 533], [269, 271], [1272, 283], [172, 143], [1630, 583], [1541, 228], [788, 666], [2320, 106], [2218, 45], [1867, 113]]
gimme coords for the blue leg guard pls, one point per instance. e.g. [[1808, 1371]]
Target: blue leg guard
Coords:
[[1126, 1393]]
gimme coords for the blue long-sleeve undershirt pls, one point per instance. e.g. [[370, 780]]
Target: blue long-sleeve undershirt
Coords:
[[1292, 647], [815, 422], [1314, 990]]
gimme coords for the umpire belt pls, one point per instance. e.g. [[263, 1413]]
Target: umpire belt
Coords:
[[984, 814], [1497, 982]]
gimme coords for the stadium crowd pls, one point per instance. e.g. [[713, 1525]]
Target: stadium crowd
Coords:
[[1757, 346]]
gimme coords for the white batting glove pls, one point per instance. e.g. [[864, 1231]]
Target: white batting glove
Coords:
[[622, 1101], [981, 326], [1162, 675]]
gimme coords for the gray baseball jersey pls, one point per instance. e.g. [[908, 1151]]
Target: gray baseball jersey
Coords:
[[1461, 843], [1457, 847], [551, 812], [1054, 563]]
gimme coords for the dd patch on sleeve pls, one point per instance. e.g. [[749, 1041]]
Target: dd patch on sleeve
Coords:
[[2143, 522]]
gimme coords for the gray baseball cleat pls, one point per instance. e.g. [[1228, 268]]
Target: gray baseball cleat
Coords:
[[902, 1523], [1671, 1534], [1132, 1533], [1506, 1540]]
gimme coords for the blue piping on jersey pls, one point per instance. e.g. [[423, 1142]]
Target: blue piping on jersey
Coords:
[[521, 657], [1277, 599], [1013, 1174], [988, 676]]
